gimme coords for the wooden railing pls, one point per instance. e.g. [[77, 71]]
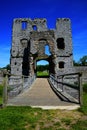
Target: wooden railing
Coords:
[[68, 86], [26, 82]]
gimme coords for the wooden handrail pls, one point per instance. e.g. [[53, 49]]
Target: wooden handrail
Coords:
[[77, 87], [68, 84], [80, 74]]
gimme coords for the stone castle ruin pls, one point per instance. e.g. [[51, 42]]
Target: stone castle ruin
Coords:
[[28, 46], [29, 39]]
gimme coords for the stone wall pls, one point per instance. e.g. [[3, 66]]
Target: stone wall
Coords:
[[83, 70], [1, 76]]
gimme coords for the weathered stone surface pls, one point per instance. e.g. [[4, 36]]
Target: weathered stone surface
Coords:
[[2, 75], [29, 38]]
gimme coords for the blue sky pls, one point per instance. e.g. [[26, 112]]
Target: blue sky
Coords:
[[76, 10]]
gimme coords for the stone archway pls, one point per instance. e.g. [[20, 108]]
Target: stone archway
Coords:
[[42, 68], [38, 42]]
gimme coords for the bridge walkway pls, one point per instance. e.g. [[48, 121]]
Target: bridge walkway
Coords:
[[39, 95]]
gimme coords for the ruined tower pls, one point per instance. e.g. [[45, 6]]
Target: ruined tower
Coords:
[[29, 38]]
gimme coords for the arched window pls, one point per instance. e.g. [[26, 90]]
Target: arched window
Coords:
[[47, 50], [60, 43], [61, 64]]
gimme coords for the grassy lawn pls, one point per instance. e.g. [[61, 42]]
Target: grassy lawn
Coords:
[[42, 73], [83, 109], [27, 118], [81, 124]]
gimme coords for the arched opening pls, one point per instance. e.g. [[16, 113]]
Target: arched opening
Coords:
[[47, 50], [42, 68]]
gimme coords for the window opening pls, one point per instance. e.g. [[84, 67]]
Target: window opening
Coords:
[[24, 25], [47, 50], [61, 64], [15, 63], [60, 43], [34, 27]]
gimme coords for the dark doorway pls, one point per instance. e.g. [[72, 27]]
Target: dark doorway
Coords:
[[25, 64]]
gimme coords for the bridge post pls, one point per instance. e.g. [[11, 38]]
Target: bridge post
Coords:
[[22, 82], [62, 84], [5, 84], [80, 89]]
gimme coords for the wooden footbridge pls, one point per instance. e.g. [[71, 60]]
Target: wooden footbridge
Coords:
[[42, 94]]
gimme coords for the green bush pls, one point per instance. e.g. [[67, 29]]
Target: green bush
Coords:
[[83, 108], [1, 94], [1, 90], [85, 87]]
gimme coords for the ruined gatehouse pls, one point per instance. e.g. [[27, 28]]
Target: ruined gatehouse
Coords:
[[29, 39]]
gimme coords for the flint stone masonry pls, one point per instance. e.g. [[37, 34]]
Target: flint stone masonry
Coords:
[[29, 38], [1, 76], [29, 41]]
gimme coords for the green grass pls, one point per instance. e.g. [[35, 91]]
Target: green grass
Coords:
[[82, 123], [27, 118], [42, 73], [84, 106]]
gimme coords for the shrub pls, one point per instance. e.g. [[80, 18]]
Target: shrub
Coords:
[[85, 87], [1, 90]]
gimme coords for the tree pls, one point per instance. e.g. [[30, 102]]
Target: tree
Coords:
[[42, 67], [76, 63], [7, 67], [83, 61]]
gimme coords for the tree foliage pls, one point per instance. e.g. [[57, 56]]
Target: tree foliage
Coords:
[[76, 63], [42, 67], [81, 62], [6, 67]]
